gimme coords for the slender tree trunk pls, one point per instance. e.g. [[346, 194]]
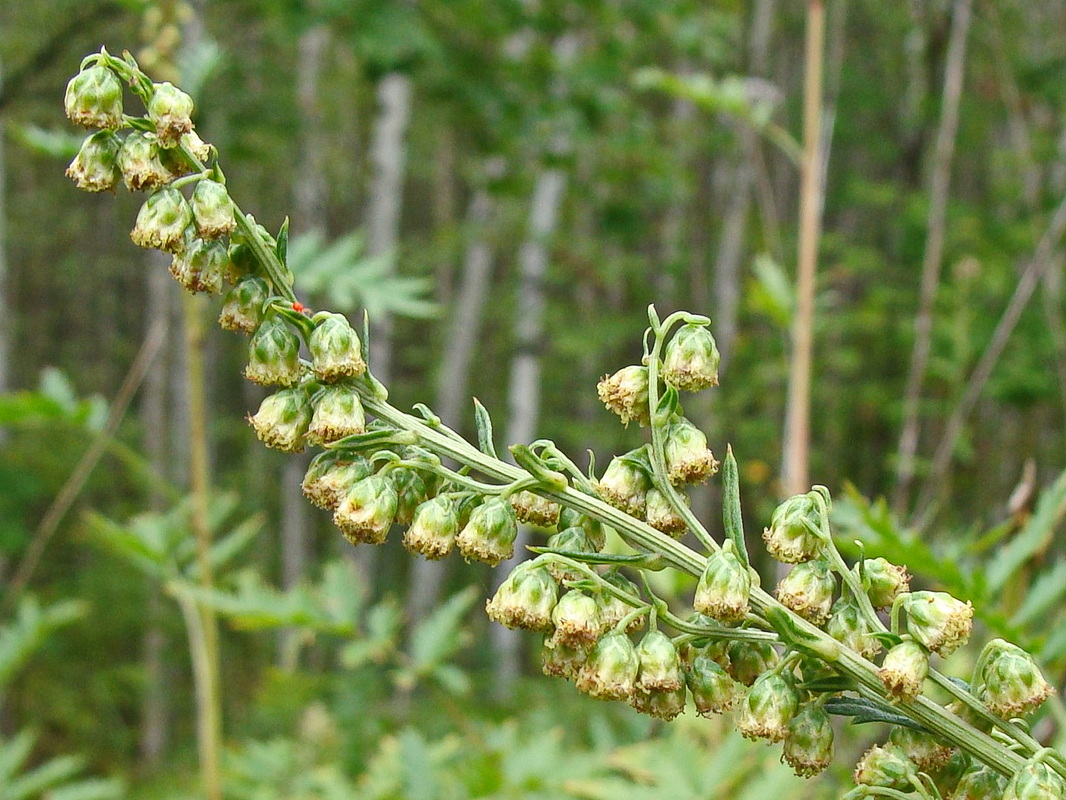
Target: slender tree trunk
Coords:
[[797, 425], [310, 192], [388, 150], [934, 250], [5, 316], [524, 385]]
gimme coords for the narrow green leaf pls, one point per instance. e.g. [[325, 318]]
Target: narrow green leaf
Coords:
[[862, 711], [1031, 539], [732, 517], [484, 429]]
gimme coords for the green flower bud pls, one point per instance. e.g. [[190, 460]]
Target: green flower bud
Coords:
[[938, 621], [886, 766], [577, 619], [808, 590], [983, 783], [366, 513], [926, 751], [713, 691], [330, 475], [789, 537], [947, 778], [610, 673], [338, 413], [274, 354], [568, 518], [626, 394], [724, 588], [242, 260], [885, 581], [660, 666], [572, 540], [624, 485], [200, 266], [170, 110], [560, 659], [140, 164], [768, 708], [433, 530], [525, 599], [904, 670], [95, 168], [242, 310], [687, 458], [94, 99], [848, 626], [412, 489], [535, 510], [747, 661], [490, 533], [212, 210], [282, 419], [690, 362], [661, 515], [808, 747], [1035, 781], [335, 349], [1013, 683], [661, 705], [162, 221], [613, 609]]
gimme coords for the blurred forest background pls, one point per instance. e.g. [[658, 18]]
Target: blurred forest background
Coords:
[[505, 186]]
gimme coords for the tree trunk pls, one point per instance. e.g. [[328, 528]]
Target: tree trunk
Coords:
[[388, 151], [934, 250]]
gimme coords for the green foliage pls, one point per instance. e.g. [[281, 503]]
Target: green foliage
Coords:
[[27, 632], [55, 779]]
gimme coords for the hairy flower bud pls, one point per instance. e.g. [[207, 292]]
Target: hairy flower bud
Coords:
[[367, 511], [490, 533], [626, 394], [660, 666], [274, 354], [200, 266], [95, 167], [568, 518], [577, 619], [927, 752], [335, 349], [768, 708], [572, 540], [242, 309], [938, 621], [94, 98], [139, 162], [982, 783], [613, 609], [904, 670], [282, 419], [1013, 683], [724, 588], [808, 590], [849, 627], [170, 110], [713, 690], [749, 660], [525, 599], [212, 209], [561, 659], [162, 221], [610, 673], [690, 362], [1035, 781], [433, 530], [808, 746], [412, 489], [688, 460], [661, 515], [535, 510], [664, 705], [886, 766], [338, 413], [624, 485], [789, 537], [330, 475], [885, 581]]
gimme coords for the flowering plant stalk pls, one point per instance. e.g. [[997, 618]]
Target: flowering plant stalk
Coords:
[[836, 639]]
